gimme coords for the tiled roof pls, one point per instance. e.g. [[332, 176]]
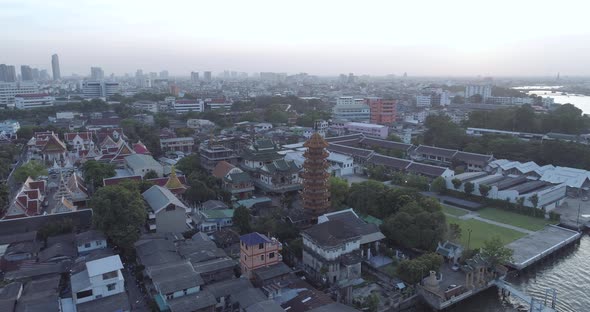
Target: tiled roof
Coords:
[[221, 169]]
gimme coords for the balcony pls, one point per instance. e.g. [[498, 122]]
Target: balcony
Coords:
[[151, 216]]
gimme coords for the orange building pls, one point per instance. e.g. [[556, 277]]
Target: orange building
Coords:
[[258, 251], [383, 112]]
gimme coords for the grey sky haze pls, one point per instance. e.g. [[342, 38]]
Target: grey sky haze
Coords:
[[454, 37]]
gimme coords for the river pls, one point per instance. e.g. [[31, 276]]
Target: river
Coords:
[[580, 101], [566, 271]]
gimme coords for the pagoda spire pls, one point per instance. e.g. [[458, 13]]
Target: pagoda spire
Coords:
[[316, 185]]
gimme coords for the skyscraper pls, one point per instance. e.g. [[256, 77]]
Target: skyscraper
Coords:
[[55, 67], [194, 76], [3, 72], [207, 76], [96, 73], [316, 185], [26, 73], [10, 73]]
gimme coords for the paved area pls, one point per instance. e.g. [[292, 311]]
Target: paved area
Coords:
[[533, 247], [355, 179], [571, 209], [137, 297]]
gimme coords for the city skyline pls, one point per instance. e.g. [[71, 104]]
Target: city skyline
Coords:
[[423, 39]]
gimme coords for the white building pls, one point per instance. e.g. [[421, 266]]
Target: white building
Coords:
[[423, 101], [484, 90], [9, 127], [149, 106], [29, 101], [8, 90], [139, 164], [99, 89], [371, 130], [262, 126], [90, 240], [100, 278], [351, 109], [185, 106]]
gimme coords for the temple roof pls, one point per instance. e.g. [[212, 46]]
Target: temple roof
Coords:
[[316, 141]]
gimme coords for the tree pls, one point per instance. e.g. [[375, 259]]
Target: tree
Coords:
[[456, 183], [520, 202], [454, 232], [33, 169], [364, 197], [119, 211], [439, 185], [150, 175], [241, 219], [469, 188], [418, 224], [495, 253], [190, 164], [25, 133], [161, 120], [372, 303], [4, 194], [412, 271], [95, 172], [484, 190], [338, 192], [534, 200]]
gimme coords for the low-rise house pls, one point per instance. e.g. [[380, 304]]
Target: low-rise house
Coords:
[[331, 253], [258, 251], [212, 153], [139, 164], [212, 220], [234, 180], [262, 152], [279, 176], [173, 284], [100, 286], [166, 212], [183, 144], [90, 240]]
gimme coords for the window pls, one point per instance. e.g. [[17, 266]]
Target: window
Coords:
[[271, 255], [169, 296], [261, 246], [84, 294], [87, 245], [261, 257], [170, 208], [245, 258], [111, 286], [110, 275]]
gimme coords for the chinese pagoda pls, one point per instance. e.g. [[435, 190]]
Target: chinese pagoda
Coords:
[[316, 187]]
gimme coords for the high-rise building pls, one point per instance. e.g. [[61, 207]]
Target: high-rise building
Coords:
[[3, 72], [351, 109], [55, 67], [43, 75], [7, 73], [485, 91], [99, 89], [207, 76], [96, 73], [164, 74], [26, 73], [383, 112], [36, 74], [194, 76], [316, 185]]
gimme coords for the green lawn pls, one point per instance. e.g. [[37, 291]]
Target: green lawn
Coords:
[[453, 211], [481, 231], [512, 218]]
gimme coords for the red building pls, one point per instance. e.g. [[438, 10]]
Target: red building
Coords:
[[383, 112]]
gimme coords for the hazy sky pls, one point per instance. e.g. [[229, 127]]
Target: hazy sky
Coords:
[[452, 37]]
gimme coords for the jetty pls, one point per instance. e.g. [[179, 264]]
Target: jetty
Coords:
[[536, 246]]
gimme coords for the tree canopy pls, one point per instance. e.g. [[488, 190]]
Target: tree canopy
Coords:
[[338, 192], [495, 253], [33, 169], [119, 211], [94, 172]]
